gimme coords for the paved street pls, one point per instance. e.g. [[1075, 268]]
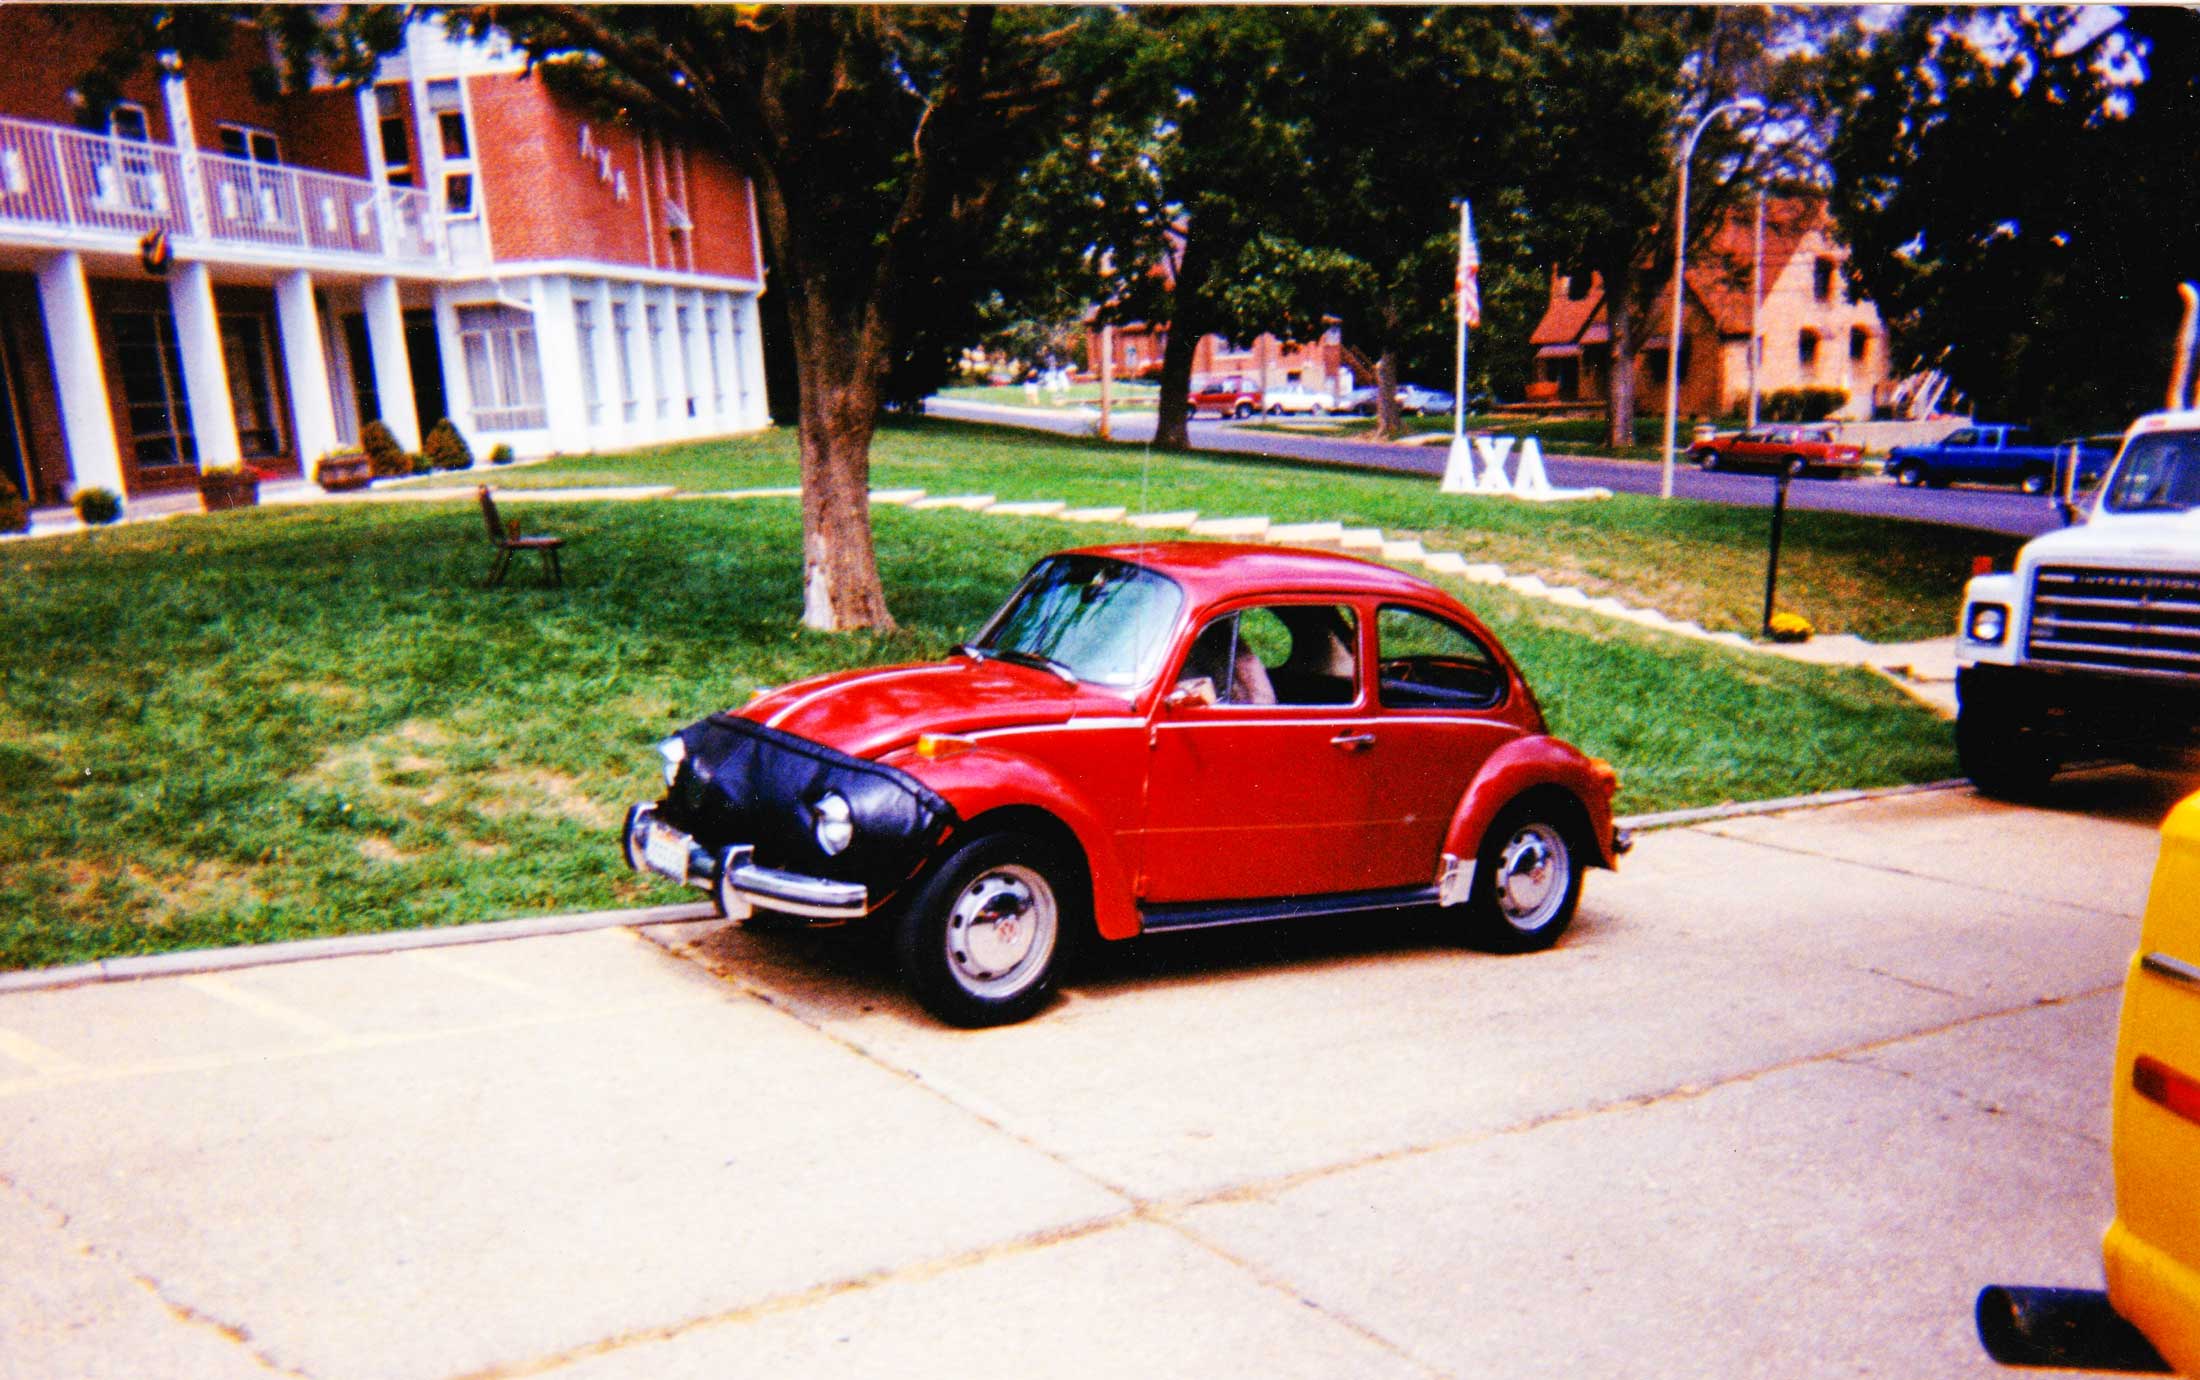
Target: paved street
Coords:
[[1791, 1091], [1989, 509]]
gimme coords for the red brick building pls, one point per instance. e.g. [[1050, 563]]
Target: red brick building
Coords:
[[451, 240]]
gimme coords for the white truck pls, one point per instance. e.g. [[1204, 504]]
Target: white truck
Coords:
[[2090, 648]]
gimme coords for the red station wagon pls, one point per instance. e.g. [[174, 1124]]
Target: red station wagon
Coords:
[[1796, 448], [1231, 396], [1145, 738]]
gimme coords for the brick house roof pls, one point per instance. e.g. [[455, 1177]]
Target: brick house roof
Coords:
[[1718, 281]]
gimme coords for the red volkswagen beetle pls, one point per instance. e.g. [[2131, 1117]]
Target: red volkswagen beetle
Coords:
[[1144, 738]]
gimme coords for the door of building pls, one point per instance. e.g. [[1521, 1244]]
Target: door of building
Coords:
[[14, 451], [425, 347]]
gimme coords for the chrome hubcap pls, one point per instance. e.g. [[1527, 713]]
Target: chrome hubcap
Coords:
[[1533, 875], [1001, 931]]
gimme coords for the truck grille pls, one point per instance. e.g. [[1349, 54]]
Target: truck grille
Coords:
[[2139, 621]]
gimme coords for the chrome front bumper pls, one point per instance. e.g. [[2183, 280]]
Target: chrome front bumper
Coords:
[[737, 884]]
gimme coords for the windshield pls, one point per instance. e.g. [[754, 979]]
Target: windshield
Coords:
[[1100, 620], [2160, 473]]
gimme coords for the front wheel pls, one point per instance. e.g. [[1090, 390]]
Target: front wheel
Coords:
[[1275, 409], [1527, 881], [979, 940], [1707, 460], [1999, 746], [1242, 411], [1797, 466], [1321, 409]]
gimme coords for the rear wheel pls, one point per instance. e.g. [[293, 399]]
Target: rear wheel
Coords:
[[1527, 880], [979, 941], [1907, 476], [2035, 483], [1275, 409], [1242, 411], [1999, 745], [1708, 459], [1797, 466]]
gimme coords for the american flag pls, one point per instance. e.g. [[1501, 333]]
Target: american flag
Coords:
[[1470, 263]]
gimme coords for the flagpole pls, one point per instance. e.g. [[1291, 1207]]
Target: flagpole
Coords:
[[1458, 461]]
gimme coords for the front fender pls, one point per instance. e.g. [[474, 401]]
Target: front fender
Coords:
[[980, 779], [1526, 764]]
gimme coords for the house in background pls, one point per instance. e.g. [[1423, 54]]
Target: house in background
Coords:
[[1321, 366], [1813, 333], [451, 240]]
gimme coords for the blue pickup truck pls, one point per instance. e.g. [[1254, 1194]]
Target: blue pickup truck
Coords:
[[1979, 454]]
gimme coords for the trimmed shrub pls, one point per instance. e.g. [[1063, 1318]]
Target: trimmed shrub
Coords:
[[1803, 404], [502, 455], [388, 457], [98, 507], [445, 449], [15, 514]]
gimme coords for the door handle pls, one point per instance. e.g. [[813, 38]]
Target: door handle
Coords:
[[1353, 742]]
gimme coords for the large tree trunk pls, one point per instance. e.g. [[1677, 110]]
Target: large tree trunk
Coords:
[[1388, 420], [840, 381], [1619, 313], [1172, 428]]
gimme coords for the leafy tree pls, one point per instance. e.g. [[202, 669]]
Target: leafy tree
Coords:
[[2018, 186]]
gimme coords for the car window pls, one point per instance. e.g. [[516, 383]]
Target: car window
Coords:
[[1278, 654], [1965, 437], [1428, 663]]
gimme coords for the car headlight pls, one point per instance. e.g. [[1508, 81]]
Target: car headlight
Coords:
[[1986, 623], [835, 823], [674, 752]]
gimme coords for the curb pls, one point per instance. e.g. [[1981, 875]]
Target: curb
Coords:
[[186, 961], [1711, 814]]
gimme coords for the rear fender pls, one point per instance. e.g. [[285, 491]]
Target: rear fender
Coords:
[[980, 780], [1528, 764]]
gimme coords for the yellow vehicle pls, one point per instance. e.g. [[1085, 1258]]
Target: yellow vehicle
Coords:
[[2149, 1320]]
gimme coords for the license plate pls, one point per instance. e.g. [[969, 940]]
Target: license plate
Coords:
[[666, 851]]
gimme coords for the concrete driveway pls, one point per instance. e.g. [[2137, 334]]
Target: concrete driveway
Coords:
[[1792, 1090]]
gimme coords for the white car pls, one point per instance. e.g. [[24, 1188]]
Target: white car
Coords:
[[1284, 400]]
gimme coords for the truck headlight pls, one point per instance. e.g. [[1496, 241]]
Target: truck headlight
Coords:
[[673, 752], [835, 824], [1986, 623]]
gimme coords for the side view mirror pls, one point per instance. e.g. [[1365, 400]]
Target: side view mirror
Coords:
[[1190, 691]]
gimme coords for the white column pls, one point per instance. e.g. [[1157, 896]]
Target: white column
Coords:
[[312, 410], [87, 419], [393, 380], [755, 407], [695, 364], [182, 132], [205, 375], [607, 362], [565, 406], [646, 426], [458, 388]]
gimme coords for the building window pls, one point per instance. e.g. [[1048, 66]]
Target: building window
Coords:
[[584, 337], [252, 145], [128, 178], [622, 344], [1860, 344], [1806, 353], [653, 317], [151, 367], [251, 387], [245, 194], [389, 105], [447, 108], [717, 366], [1130, 357], [502, 370], [1822, 280]]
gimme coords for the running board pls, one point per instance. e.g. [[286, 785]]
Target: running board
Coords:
[[1211, 915]]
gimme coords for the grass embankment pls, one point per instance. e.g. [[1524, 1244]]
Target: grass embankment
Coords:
[[274, 724], [1884, 580]]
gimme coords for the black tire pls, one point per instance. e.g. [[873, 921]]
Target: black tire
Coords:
[[1998, 746], [1797, 466], [1242, 411], [1707, 460], [1907, 476], [955, 954], [2034, 483], [1321, 409], [1527, 878], [1275, 409]]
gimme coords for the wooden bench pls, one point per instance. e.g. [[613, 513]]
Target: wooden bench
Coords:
[[505, 537]]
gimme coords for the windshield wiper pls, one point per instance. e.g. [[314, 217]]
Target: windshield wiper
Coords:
[[1019, 657]]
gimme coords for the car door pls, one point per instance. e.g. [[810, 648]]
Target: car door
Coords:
[[1267, 791], [1754, 447], [1439, 714]]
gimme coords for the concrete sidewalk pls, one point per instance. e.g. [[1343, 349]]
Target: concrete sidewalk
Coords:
[[1794, 1088]]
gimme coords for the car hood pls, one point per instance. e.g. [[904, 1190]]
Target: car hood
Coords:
[[2154, 540], [871, 712]]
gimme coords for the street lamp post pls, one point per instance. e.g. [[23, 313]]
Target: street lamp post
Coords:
[[1680, 256]]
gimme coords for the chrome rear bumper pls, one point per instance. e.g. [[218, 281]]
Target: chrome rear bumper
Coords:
[[736, 883]]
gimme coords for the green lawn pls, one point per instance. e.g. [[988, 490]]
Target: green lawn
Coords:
[[1130, 394], [1881, 579], [279, 723]]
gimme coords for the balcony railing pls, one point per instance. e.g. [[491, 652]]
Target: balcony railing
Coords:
[[59, 178]]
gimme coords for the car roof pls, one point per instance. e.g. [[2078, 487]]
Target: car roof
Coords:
[[1210, 571]]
